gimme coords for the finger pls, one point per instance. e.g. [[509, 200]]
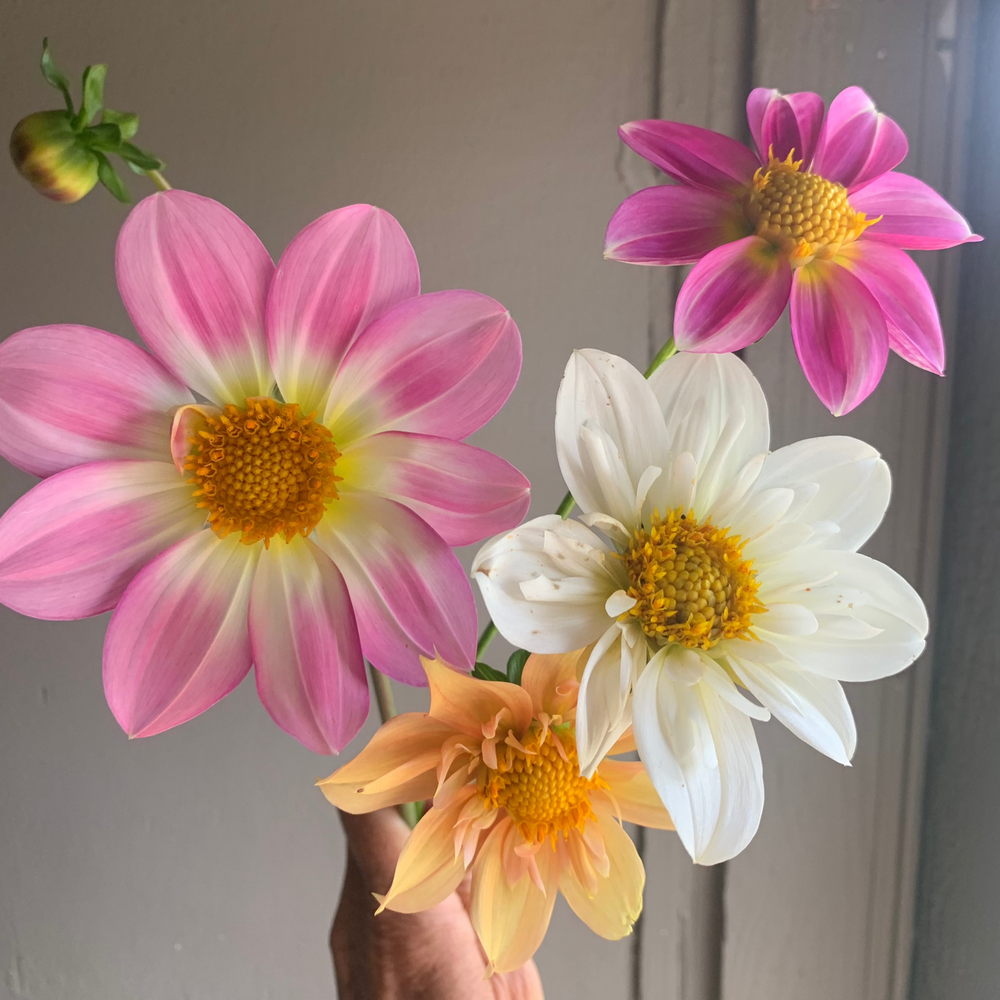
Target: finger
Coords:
[[375, 841]]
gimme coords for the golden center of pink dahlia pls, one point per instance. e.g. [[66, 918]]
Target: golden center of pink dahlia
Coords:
[[803, 214], [541, 787], [690, 582], [263, 469]]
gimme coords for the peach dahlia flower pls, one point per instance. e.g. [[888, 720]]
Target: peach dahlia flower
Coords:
[[510, 805]]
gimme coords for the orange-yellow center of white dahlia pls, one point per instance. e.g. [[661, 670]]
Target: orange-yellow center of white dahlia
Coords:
[[541, 789], [263, 469], [690, 582], [803, 214]]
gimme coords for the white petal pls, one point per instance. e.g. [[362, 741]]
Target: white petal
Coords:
[[760, 512], [545, 584], [604, 705], [618, 603], [812, 707], [701, 754], [601, 392], [714, 408], [836, 479], [787, 619], [871, 622], [611, 526]]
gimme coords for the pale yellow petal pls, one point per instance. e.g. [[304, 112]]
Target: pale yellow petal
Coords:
[[553, 680], [398, 765], [511, 920], [613, 909], [429, 869], [637, 799], [467, 704]]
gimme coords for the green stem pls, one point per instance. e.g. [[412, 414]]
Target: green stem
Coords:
[[159, 180], [410, 811], [668, 350], [485, 639]]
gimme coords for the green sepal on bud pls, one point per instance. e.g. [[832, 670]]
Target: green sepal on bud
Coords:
[[65, 153]]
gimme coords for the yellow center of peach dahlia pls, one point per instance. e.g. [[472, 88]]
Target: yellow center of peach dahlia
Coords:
[[690, 582], [540, 787], [803, 214], [263, 469]]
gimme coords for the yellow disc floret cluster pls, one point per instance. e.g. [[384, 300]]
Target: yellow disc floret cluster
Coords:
[[541, 789], [690, 582], [263, 469], [803, 214]]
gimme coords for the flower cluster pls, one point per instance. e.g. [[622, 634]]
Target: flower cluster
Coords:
[[280, 480]]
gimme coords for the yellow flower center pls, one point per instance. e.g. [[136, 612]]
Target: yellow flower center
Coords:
[[263, 469], [541, 789], [690, 582], [803, 214]]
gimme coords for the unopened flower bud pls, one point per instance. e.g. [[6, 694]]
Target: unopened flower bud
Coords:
[[47, 151]]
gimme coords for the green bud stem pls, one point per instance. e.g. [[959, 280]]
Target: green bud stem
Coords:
[[159, 180], [668, 350]]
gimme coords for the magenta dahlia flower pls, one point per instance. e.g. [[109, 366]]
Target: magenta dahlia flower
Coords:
[[297, 530], [817, 216]]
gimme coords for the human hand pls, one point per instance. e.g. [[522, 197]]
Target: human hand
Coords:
[[408, 956]]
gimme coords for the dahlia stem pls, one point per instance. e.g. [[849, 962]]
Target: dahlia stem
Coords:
[[410, 811], [383, 694], [668, 350], [159, 180]]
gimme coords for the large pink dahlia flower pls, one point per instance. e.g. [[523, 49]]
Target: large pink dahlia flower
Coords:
[[817, 216], [299, 529]]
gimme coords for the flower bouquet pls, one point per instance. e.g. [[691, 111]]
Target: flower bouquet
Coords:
[[278, 482]]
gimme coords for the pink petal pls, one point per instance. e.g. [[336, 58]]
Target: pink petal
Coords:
[[914, 216], [338, 275], [464, 493], [857, 143], [178, 641], [902, 291], [784, 123], [194, 277], [732, 297], [692, 155], [409, 592], [839, 333], [672, 224], [439, 364], [70, 546], [306, 650], [72, 394]]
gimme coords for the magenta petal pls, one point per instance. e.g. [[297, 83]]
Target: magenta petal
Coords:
[[692, 155], [857, 143], [306, 650], [439, 364], [785, 123], [70, 546], [913, 215], [901, 289], [839, 333], [178, 641], [409, 592], [670, 224], [72, 394], [732, 297], [464, 493], [338, 275], [194, 279]]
